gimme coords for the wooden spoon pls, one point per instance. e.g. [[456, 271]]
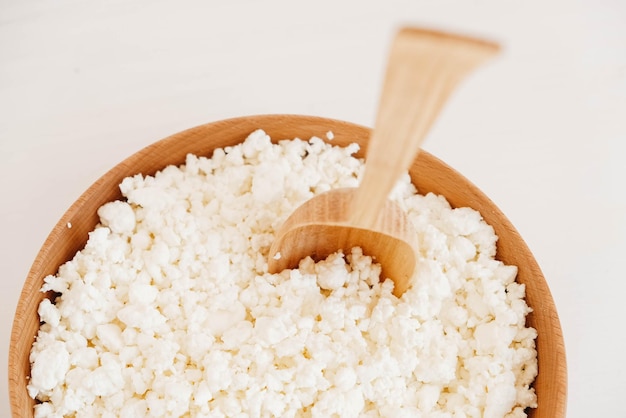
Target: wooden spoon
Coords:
[[423, 69]]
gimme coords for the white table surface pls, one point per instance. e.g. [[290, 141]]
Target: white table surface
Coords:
[[540, 129]]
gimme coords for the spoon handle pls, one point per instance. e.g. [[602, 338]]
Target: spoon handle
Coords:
[[423, 69]]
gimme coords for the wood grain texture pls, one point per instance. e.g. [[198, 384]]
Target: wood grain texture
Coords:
[[428, 173], [323, 225]]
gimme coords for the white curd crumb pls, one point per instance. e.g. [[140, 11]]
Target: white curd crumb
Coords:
[[169, 309], [118, 216]]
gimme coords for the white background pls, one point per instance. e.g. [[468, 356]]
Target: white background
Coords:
[[540, 129]]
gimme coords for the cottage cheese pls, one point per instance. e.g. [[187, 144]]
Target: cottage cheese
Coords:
[[169, 310]]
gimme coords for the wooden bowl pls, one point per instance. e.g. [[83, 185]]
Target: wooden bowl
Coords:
[[429, 175]]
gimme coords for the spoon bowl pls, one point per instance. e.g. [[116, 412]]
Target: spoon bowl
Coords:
[[423, 68], [392, 235]]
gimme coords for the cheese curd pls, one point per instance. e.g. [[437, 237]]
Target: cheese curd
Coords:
[[169, 310]]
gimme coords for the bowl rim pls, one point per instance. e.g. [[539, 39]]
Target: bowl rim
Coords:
[[24, 330]]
